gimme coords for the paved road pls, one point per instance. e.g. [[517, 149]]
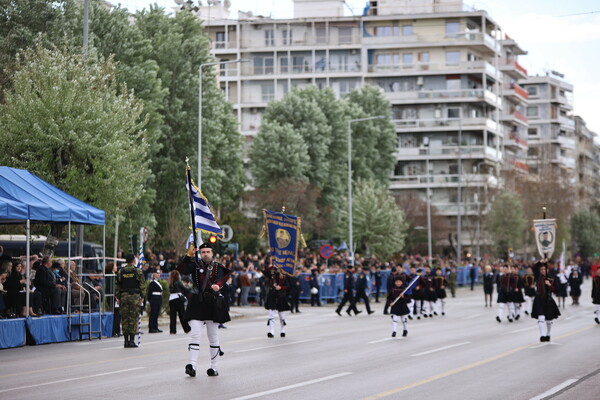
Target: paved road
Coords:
[[463, 355]]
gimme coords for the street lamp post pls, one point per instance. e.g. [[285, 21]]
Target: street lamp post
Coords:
[[350, 239], [200, 110], [428, 195], [459, 194]]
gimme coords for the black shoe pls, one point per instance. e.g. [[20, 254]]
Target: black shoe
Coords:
[[424, 315], [297, 311], [510, 320], [212, 372], [443, 313], [282, 334], [542, 338], [269, 335], [132, 344], [410, 317], [393, 334], [349, 313], [547, 338], [338, 312], [221, 326], [597, 320], [526, 312], [431, 316], [126, 342], [404, 333], [498, 319], [187, 330], [418, 317], [190, 370], [173, 333], [357, 312], [370, 312], [385, 312], [517, 317], [434, 313]]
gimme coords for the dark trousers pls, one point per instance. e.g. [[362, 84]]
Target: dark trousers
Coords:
[[361, 294], [154, 312], [116, 331], [315, 299], [177, 308], [348, 297], [294, 301], [52, 298]]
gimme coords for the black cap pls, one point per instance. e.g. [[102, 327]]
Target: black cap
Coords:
[[129, 258], [205, 245]]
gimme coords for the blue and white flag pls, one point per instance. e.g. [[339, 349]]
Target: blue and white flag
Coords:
[[204, 219], [141, 259], [343, 246]]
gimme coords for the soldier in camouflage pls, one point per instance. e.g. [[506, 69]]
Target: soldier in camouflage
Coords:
[[129, 294]]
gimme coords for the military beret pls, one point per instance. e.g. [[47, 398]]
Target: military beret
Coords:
[[205, 245]]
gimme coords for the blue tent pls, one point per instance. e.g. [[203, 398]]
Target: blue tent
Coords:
[[24, 196]]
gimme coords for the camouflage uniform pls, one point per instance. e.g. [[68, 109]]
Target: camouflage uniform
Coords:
[[129, 291]]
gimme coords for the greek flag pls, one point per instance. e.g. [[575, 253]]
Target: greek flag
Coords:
[[204, 219], [141, 258]]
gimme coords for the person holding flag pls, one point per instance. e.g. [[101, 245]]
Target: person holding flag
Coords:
[[128, 293], [206, 306], [276, 301], [399, 309]]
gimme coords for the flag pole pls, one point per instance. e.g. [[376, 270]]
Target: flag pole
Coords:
[[191, 201]]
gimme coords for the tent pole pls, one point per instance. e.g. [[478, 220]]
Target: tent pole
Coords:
[[28, 262], [116, 235], [68, 271]]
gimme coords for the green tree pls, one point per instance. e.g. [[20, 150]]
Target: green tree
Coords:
[[506, 222], [373, 142], [179, 46], [378, 224], [585, 232], [70, 122]]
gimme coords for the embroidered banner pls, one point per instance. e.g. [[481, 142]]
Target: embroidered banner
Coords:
[[283, 233], [545, 236]]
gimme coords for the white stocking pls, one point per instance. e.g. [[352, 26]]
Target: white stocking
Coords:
[[394, 323], [282, 321], [511, 310], [501, 310], [272, 321], [404, 320], [541, 324], [443, 306], [548, 327], [212, 331], [194, 346]]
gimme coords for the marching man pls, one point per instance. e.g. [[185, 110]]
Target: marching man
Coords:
[[206, 307], [276, 301], [544, 307]]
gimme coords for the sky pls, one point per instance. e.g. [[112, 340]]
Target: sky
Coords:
[[559, 35]]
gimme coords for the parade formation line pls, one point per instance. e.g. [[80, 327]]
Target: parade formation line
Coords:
[[70, 379], [465, 368], [296, 385], [276, 345]]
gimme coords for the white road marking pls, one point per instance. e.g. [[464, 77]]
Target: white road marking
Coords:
[[69, 380], [523, 330], [545, 344], [277, 345], [555, 389], [149, 343], [300, 384], [384, 340], [440, 349], [471, 317]]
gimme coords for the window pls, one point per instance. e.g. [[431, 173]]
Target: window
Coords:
[[452, 29], [346, 87], [383, 31], [321, 35], [220, 40], [454, 112], [532, 131], [286, 37], [269, 37], [387, 59], [268, 91], [532, 111], [532, 90], [452, 57], [424, 57], [263, 65], [345, 35], [283, 65], [407, 59], [407, 30]]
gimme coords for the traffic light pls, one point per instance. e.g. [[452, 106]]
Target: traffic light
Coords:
[[212, 239]]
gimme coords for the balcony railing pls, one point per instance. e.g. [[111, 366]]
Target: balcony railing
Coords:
[[440, 180], [446, 67], [425, 94], [444, 122]]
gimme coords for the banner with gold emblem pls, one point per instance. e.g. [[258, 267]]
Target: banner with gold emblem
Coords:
[[545, 236], [284, 234]]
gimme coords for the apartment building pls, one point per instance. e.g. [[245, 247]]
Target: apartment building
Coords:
[[450, 73], [587, 164], [551, 132]]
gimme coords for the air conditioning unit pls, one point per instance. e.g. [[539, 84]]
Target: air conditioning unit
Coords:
[[420, 81]]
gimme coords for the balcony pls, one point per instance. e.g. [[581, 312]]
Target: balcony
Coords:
[[442, 124], [222, 46], [513, 69], [429, 96], [567, 122], [567, 162], [428, 68], [472, 38], [516, 118], [515, 140], [566, 142], [446, 151], [439, 181], [515, 93]]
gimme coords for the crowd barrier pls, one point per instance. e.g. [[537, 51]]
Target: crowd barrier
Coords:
[[50, 329]]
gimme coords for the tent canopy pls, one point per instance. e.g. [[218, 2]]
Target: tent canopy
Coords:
[[24, 196]]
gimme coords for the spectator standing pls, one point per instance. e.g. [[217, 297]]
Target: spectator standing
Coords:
[[295, 292], [245, 284], [154, 297], [315, 296], [177, 299], [575, 282]]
